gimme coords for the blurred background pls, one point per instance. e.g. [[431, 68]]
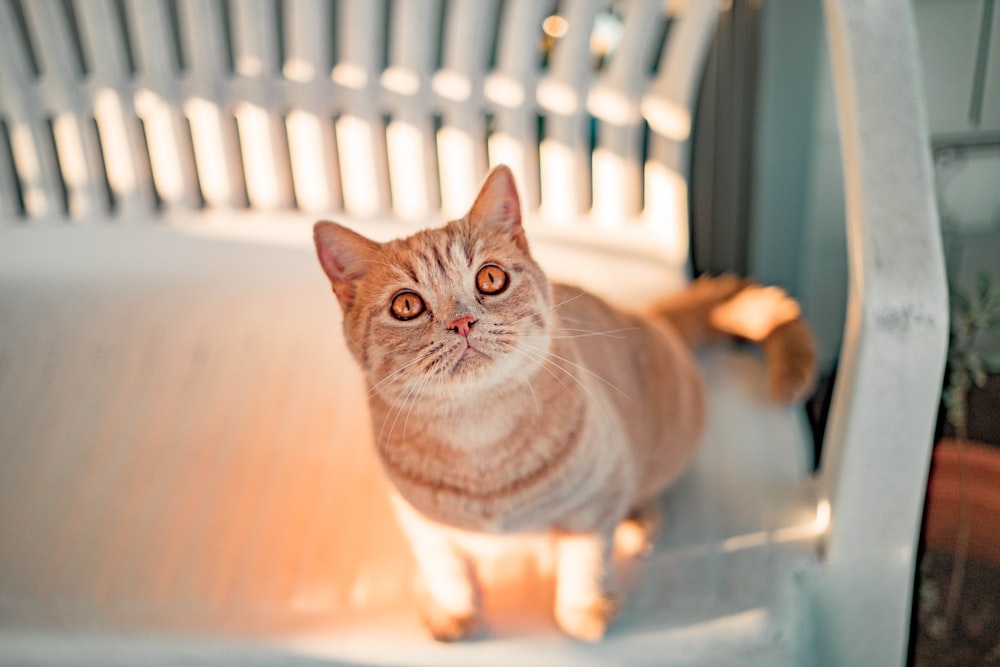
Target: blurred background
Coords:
[[768, 193]]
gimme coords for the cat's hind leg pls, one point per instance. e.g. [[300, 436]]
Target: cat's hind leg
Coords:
[[637, 533], [585, 603]]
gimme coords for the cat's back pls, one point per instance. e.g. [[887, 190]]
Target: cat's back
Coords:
[[577, 309], [645, 371], [609, 332]]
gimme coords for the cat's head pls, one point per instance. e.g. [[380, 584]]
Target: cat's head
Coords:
[[450, 309]]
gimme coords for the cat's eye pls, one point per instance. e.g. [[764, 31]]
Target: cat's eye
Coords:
[[406, 305], [491, 279]]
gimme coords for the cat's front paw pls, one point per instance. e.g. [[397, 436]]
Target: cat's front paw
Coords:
[[636, 535], [447, 626], [587, 622], [633, 540]]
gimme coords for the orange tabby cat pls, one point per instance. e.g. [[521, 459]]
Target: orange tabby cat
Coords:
[[494, 412]]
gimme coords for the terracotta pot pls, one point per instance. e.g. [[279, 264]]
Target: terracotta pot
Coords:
[[944, 497]]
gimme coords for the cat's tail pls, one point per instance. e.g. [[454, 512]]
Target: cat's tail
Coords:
[[712, 308]]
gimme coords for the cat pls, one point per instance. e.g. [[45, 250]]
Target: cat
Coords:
[[504, 404]]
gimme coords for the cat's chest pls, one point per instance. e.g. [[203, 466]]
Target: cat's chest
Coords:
[[480, 435], [533, 476]]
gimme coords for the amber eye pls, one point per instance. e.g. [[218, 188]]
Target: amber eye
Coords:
[[491, 279], [406, 305]]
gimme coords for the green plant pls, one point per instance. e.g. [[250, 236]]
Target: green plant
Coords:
[[973, 315]]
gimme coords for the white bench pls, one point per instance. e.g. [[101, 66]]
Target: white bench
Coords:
[[187, 469]]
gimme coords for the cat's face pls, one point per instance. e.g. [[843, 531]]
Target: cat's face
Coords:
[[456, 309]]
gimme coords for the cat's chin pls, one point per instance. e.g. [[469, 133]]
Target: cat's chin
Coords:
[[475, 370], [471, 362]]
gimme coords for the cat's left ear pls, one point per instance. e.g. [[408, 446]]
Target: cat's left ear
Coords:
[[345, 257], [497, 206]]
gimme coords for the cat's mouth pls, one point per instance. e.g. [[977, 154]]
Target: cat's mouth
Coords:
[[470, 358], [471, 351]]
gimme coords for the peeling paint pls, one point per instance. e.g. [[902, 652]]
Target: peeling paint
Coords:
[[900, 320]]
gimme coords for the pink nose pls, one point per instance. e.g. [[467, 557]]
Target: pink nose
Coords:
[[462, 325]]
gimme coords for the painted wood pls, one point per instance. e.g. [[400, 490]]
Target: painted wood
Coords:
[[885, 402], [183, 432]]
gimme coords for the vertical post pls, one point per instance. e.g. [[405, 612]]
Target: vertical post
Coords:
[[877, 446]]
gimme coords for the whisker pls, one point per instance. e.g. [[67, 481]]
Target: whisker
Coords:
[[410, 394], [583, 334], [590, 373], [591, 332], [527, 382], [565, 301], [433, 367], [382, 443], [547, 361], [543, 364], [377, 387], [548, 309], [524, 379], [419, 394], [405, 402], [585, 324]]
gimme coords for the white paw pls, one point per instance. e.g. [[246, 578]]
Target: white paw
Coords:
[[633, 540], [587, 622]]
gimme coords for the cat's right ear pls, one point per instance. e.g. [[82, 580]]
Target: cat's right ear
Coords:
[[497, 206], [345, 257]]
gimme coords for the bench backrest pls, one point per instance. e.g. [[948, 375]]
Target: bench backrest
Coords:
[[359, 107]]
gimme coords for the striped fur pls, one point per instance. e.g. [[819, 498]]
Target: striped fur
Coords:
[[552, 412]]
